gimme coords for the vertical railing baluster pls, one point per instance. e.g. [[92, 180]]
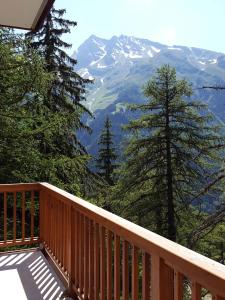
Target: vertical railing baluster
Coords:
[[60, 205], [96, 263], [54, 211], [162, 279], [68, 241], [109, 265], [41, 216], [50, 225], [46, 218], [125, 280], [102, 264], [81, 253], [155, 277], [166, 281], [63, 235], [14, 217], [57, 229], [66, 233], [145, 276], [23, 216], [134, 273], [195, 291], [86, 258], [116, 267], [5, 217], [32, 216], [91, 260], [72, 246], [77, 248], [178, 286]]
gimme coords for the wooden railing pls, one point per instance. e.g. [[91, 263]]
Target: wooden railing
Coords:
[[19, 214], [103, 256]]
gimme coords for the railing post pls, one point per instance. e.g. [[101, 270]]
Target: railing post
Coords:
[[195, 291], [178, 285], [41, 217], [69, 241], [71, 247], [145, 276], [155, 277], [162, 279], [70, 222]]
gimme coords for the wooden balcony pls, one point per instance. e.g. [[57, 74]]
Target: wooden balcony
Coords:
[[98, 255]]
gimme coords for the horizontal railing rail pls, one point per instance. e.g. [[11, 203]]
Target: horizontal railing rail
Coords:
[[101, 255], [105, 256], [19, 214]]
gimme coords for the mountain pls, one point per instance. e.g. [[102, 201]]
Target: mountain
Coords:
[[121, 66]]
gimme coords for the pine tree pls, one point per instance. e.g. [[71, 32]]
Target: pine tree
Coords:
[[106, 155], [65, 100], [23, 86], [68, 89], [173, 154], [67, 92]]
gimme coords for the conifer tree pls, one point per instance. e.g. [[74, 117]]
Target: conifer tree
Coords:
[[23, 86], [68, 89], [172, 155], [64, 98], [106, 155]]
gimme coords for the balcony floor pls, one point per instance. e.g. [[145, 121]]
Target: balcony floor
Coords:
[[28, 275]]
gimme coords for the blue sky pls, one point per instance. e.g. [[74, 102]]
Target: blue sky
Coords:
[[198, 23]]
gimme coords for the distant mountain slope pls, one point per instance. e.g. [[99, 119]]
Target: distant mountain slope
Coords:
[[122, 65]]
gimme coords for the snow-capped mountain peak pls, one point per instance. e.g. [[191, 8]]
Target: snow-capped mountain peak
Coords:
[[126, 60], [121, 66]]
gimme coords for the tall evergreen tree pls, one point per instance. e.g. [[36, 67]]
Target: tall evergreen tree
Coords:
[[64, 98], [23, 86], [106, 155], [173, 153], [68, 89]]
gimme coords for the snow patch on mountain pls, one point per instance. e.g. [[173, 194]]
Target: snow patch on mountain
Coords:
[[157, 50], [132, 54], [213, 61], [174, 48], [150, 54], [102, 48], [99, 66], [84, 72]]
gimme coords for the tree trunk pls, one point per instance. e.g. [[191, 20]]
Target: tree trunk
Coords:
[[170, 200]]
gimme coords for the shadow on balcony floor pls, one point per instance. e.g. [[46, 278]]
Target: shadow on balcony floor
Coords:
[[28, 275]]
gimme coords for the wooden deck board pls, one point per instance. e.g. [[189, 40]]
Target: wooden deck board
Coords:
[[28, 275]]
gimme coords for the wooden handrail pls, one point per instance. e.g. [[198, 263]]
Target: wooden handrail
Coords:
[[18, 187], [104, 256]]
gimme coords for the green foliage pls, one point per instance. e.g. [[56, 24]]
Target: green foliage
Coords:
[[213, 244], [106, 154], [23, 85], [65, 158], [172, 154], [67, 90]]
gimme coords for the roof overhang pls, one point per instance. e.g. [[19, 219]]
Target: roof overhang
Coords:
[[24, 14]]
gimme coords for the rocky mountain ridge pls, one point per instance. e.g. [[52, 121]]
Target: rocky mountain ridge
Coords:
[[121, 66]]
